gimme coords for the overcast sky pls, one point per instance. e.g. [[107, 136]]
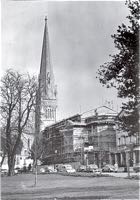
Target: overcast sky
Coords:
[[80, 41]]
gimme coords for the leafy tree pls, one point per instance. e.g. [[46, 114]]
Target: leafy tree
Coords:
[[18, 93], [123, 71]]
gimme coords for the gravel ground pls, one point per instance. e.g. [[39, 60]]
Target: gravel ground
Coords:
[[56, 187]]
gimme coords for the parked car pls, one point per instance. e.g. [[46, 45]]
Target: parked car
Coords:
[[82, 168], [17, 170], [136, 167], [20, 169], [46, 169], [88, 169], [4, 172], [65, 168], [58, 167], [42, 170], [94, 168], [108, 168], [98, 171], [52, 170]]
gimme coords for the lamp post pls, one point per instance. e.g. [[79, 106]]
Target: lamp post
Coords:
[[82, 149], [55, 152], [127, 160], [86, 160]]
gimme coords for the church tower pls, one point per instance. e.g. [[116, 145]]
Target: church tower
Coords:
[[47, 91]]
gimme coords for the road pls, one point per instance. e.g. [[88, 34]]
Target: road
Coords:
[[59, 187]]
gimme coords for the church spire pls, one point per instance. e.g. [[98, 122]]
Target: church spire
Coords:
[[47, 85], [46, 19], [46, 72]]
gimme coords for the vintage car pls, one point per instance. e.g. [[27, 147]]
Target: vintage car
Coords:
[[82, 168], [65, 168], [108, 168]]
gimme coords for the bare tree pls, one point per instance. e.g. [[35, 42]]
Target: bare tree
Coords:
[[18, 94], [4, 147]]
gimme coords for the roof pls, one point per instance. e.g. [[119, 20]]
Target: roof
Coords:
[[72, 119], [77, 123], [102, 110]]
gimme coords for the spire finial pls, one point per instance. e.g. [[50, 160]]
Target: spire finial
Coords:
[[46, 18]]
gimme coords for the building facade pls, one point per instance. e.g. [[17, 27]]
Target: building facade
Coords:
[[101, 129], [128, 147]]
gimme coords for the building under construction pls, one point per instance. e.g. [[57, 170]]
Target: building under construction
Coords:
[[80, 139], [64, 141]]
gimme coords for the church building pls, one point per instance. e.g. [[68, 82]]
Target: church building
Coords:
[[46, 102]]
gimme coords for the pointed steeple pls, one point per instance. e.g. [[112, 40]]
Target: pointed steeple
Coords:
[[46, 77], [47, 87]]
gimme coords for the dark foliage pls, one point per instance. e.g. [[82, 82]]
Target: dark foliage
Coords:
[[123, 71]]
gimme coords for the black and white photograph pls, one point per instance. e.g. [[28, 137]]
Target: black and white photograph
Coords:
[[69, 100]]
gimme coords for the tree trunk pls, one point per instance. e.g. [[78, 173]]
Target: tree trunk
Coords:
[[11, 156], [11, 164], [3, 157]]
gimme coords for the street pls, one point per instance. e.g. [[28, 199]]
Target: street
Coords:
[[55, 186]]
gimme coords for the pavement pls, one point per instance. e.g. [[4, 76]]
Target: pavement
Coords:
[[122, 174]]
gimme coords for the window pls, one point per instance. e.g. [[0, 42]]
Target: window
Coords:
[[119, 141]]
